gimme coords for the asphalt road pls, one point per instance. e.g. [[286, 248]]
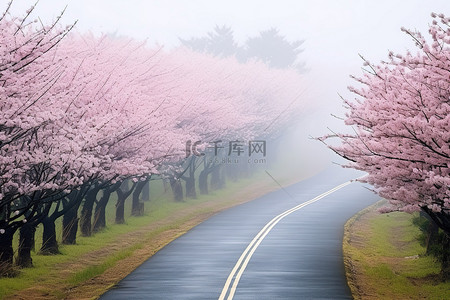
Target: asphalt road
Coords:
[[299, 258]]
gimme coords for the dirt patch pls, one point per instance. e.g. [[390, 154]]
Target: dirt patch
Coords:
[[433, 279], [357, 237], [393, 238]]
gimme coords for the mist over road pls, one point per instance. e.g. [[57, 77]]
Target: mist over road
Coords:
[[300, 257]]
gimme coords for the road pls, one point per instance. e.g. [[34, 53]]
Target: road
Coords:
[[298, 255]]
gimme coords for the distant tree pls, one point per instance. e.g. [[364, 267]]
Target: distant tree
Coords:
[[273, 49], [270, 47], [219, 42]]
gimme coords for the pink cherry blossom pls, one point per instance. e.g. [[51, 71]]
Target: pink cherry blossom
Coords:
[[401, 121]]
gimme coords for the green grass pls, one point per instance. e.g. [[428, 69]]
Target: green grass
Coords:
[[386, 242], [384, 267]]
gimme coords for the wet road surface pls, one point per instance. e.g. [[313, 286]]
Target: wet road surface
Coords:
[[299, 258]]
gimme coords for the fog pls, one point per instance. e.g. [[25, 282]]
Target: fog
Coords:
[[334, 33]]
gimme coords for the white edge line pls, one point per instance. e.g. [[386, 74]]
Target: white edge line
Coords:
[[251, 248]]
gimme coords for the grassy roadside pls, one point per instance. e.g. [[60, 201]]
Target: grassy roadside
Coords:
[[384, 260], [87, 269]]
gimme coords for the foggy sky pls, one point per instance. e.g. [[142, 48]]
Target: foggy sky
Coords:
[[334, 31]]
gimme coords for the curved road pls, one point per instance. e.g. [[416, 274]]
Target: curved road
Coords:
[[299, 257]]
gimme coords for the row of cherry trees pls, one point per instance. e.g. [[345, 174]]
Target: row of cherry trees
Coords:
[[83, 117], [401, 121]]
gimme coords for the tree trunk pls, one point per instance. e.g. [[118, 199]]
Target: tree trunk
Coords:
[[203, 182], [441, 220], [216, 181], [146, 192], [137, 207], [6, 253], [177, 189], [190, 180], [120, 210], [122, 194], [432, 233], [165, 185], [99, 217], [100, 211], [49, 243], [70, 226], [190, 187], [70, 217], [26, 244], [86, 212]]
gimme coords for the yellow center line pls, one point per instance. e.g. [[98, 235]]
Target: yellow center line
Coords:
[[243, 261]]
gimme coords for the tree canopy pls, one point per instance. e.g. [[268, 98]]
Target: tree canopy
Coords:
[[401, 121]]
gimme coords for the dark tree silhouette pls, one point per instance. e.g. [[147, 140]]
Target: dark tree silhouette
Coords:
[[273, 49], [219, 42], [269, 46]]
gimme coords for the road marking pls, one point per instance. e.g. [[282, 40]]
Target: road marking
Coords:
[[239, 267]]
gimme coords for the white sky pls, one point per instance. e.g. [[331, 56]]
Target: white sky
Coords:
[[334, 31]]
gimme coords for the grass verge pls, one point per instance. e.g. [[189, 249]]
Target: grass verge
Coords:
[[384, 260]]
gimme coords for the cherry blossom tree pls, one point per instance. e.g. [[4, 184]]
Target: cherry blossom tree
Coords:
[[81, 114], [120, 111], [401, 122], [27, 73], [64, 123]]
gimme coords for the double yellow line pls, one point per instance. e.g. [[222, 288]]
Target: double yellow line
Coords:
[[239, 267]]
